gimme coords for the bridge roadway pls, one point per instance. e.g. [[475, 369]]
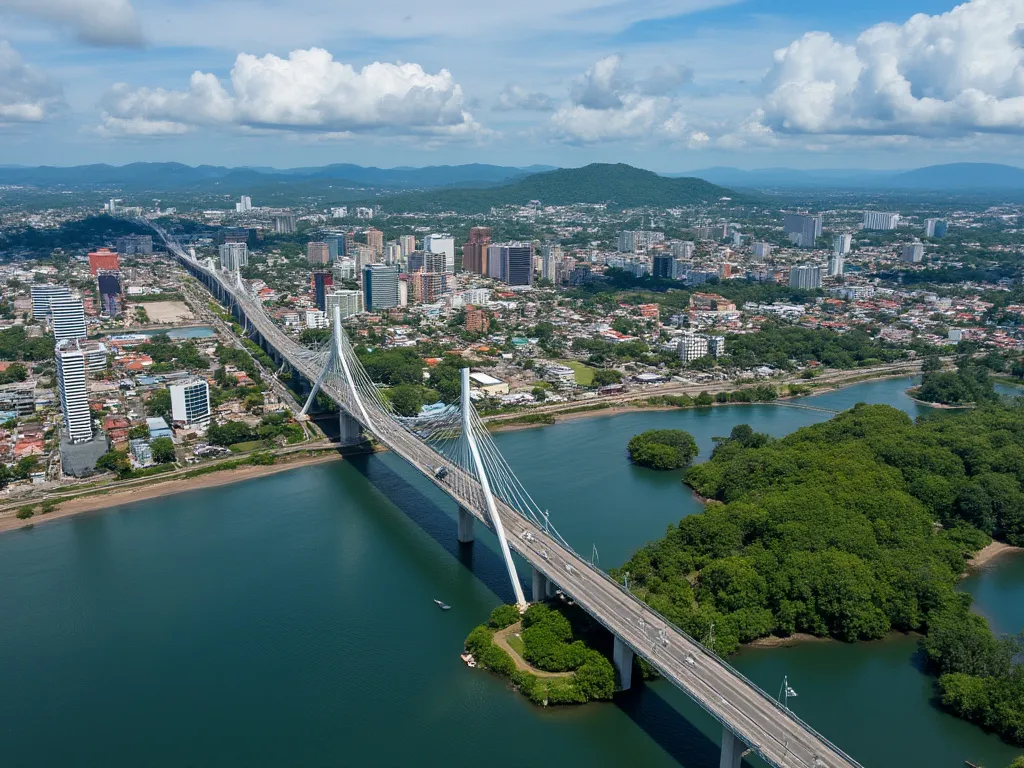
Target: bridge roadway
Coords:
[[745, 711]]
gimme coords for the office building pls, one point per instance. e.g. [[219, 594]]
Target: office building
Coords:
[[104, 258], [375, 239], [67, 318], [414, 262], [683, 249], [762, 251], [133, 245], [474, 252], [349, 302], [41, 297], [320, 282], [803, 229], [380, 287], [72, 368], [551, 257], [284, 224], [664, 265], [836, 264], [318, 252], [233, 256], [806, 277], [638, 240], [913, 253], [881, 221], [442, 244], [408, 245], [333, 249], [427, 287], [190, 402], [842, 244], [935, 228], [108, 286], [393, 253], [435, 262], [364, 255], [511, 263], [349, 242]]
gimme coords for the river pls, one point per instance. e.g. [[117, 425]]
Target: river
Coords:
[[289, 620]]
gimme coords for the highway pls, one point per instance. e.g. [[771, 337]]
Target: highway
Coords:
[[755, 718]]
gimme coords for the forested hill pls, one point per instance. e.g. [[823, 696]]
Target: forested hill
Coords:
[[620, 186]]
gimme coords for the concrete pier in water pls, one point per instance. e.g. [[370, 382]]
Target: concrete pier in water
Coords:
[[466, 521]]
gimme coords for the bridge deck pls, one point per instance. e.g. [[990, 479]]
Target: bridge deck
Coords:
[[769, 729]]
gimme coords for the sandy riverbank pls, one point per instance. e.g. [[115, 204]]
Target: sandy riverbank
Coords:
[[168, 487], [782, 642], [989, 553]]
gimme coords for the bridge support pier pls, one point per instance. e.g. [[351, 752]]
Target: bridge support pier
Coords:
[[540, 586], [732, 750], [622, 658], [552, 588], [466, 524], [351, 431]]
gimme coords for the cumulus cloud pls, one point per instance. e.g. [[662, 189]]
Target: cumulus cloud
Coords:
[[952, 74], [95, 22], [609, 104], [26, 94], [308, 91], [516, 97]]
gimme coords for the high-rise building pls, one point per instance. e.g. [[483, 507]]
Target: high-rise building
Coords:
[[109, 289], [233, 256], [345, 269], [380, 286], [683, 249], [913, 253], [244, 204], [806, 277], [350, 244], [408, 244], [104, 258], [692, 346], [375, 239], [190, 402], [339, 213], [551, 257], [477, 320], [393, 253], [133, 245], [67, 318], [836, 263], [349, 302], [841, 244], [318, 252], [333, 250], [435, 262], [72, 368], [881, 221], [284, 224], [802, 228], [415, 261], [474, 252], [762, 251], [41, 297], [664, 265], [427, 287], [442, 244], [320, 282], [630, 241], [934, 227], [511, 263]]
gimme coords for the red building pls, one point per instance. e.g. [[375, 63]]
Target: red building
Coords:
[[104, 258], [474, 253]]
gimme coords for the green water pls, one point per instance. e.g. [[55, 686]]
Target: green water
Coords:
[[290, 621]]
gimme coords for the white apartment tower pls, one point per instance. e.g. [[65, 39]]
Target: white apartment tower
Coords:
[[551, 257], [442, 244], [67, 318], [234, 256], [190, 402], [881, 221], [72, 369]]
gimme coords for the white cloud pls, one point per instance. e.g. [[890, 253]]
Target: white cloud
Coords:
[[608, 104], [516, 97], [96, 22], [308, 91], [951, 74], [26, 94]]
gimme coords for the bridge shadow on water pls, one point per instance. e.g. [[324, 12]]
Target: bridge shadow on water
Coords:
[[644, 705]]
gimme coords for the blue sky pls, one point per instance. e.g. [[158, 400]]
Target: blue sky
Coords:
[[665, 84]]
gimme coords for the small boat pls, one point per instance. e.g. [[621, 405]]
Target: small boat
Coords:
[[468, 658], [442, 606]]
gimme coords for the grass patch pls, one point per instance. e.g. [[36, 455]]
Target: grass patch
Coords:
[[530, 418], [584, 373], [249, 445], [515, 642], [584, 409]]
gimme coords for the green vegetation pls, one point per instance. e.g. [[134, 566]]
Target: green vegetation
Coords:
[[115, 461], [528, 419], [785, 347], [139, 432], [163, 450], [969, 384], [271, 427], [584, 373], [15, 344], [25, 512], [551, 642], [408, 399], [158, 404], [15, 372], [851, 529], [619, 185], [663, 449], [170, 356]]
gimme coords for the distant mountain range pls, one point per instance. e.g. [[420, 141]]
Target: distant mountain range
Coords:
[[952, 178], [620, 186], [179, 177]]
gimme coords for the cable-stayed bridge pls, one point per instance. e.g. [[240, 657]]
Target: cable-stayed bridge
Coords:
[[454, 450]]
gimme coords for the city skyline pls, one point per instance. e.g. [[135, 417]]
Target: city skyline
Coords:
[[665, 86]]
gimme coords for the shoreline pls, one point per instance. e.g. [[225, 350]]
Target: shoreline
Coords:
[[100, 501], [617, 409], [987, 554]]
